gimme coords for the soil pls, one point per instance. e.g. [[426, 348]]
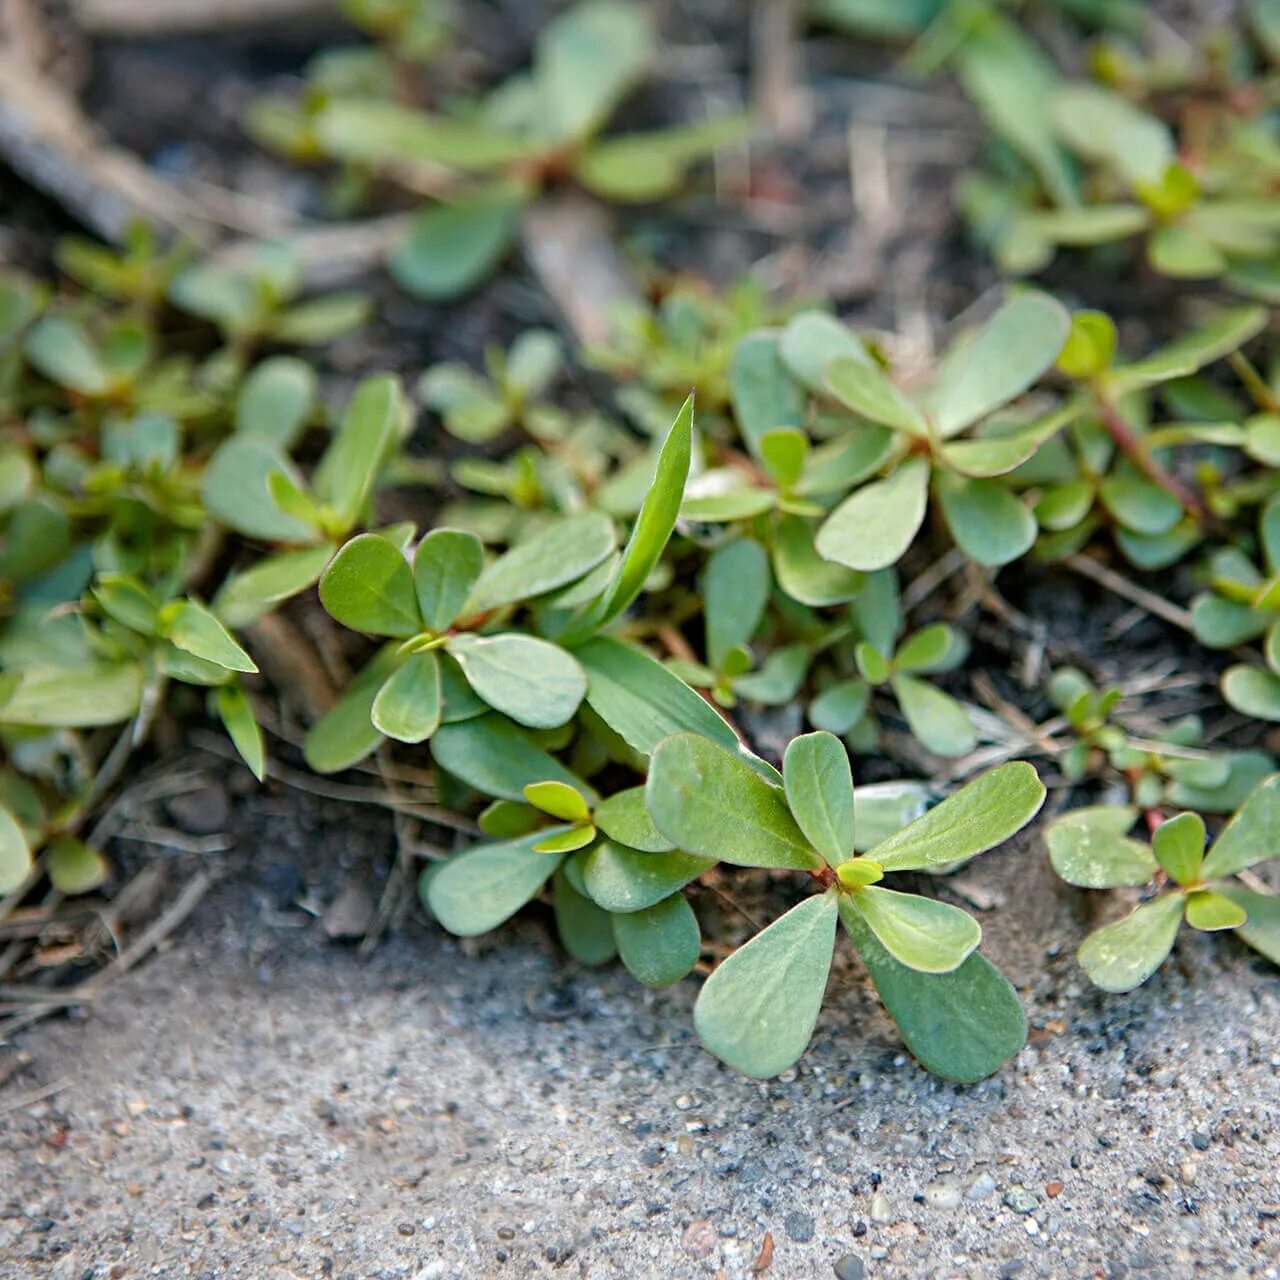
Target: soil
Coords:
[[260, 1100]]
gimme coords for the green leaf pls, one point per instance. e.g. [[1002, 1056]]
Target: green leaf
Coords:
[[1252, 835], [1122, 956], [624, 818], [1228, 331], [480, 889], [322, 320], [275, 400], [236, 713], [585, 930], [369, 587], [552, 558], [244, 597], [195, 630], [369, 131], [962, 1025], [709, 802], [344, 479], [935, 718], [559, 800], [534, 682], [60, 349], [1180, 252], [937, 647], [656, 519], [1089, 848], [569, 841], [840, 706], [997, 455], [819, 790], [1178, 844], [492, 755], [446, 565], [450, 248], [652, 165], [408, 705], [1223, 624], [15, 853], [873, 527], [738, 503], [75, 698], [812, 342], [73, 867], [784, 451], [345, 733], [625, 880], [1138, 503], [779, 678], [881, 808], [982, 814], [990, 524], [922, 933], [866, 389], [643, 702], [235, 489], [1100, 125], [1262, 928], [802, 573], [1252, 691], [735, 589], [661, 944], [586, 61], [878, 611], [1006, 356], [762, 392], [125, 599], [758, 1009], [1210, 912]]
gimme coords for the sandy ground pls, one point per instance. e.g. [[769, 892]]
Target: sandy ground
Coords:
[[257, 1103]]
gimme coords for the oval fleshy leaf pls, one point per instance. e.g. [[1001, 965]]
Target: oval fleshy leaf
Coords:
[[476, 891], [982, 814], [922, 933], [1210, 912], [624, 880], [758, 1009], [368, 587], [660, 944], [409, 704], [623, 817], [1122, 956], [872, 528], [446, 566], [1089, 848], [961, 1025], [819, 791], [711, 803], [1178, 844], [534, 682]]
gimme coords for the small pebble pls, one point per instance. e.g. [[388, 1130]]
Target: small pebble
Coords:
[[700, 1239], [981, 1187], [1053, 1189], [684, 1102], [881, 1211], [1187, 1172], [1020, 1200], [799, 1226], [943, 1193], [849, 1267]]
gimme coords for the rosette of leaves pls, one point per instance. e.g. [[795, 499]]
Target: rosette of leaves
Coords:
[[1205, 212], [941, 441], [757, 1011], [536, 128], [257, 301], [616, 881], [455, 657], [887, 660], [1243, 604], [1091, 848], [252, 486], [141, 271], [1113, 466], [478, 409], [1168, 767], [734, 587]]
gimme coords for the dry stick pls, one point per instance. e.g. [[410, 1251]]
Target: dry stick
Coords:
[[36, 1095], [1088, 567], [777, 76], [155, 17]]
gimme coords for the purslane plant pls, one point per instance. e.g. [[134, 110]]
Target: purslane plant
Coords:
[[491, 160], [1090, 848]]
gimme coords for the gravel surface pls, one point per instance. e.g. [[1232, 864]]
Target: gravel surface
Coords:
[[256, 1102]]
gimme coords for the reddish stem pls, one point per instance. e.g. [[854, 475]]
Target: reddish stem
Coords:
[[1135, 449]]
